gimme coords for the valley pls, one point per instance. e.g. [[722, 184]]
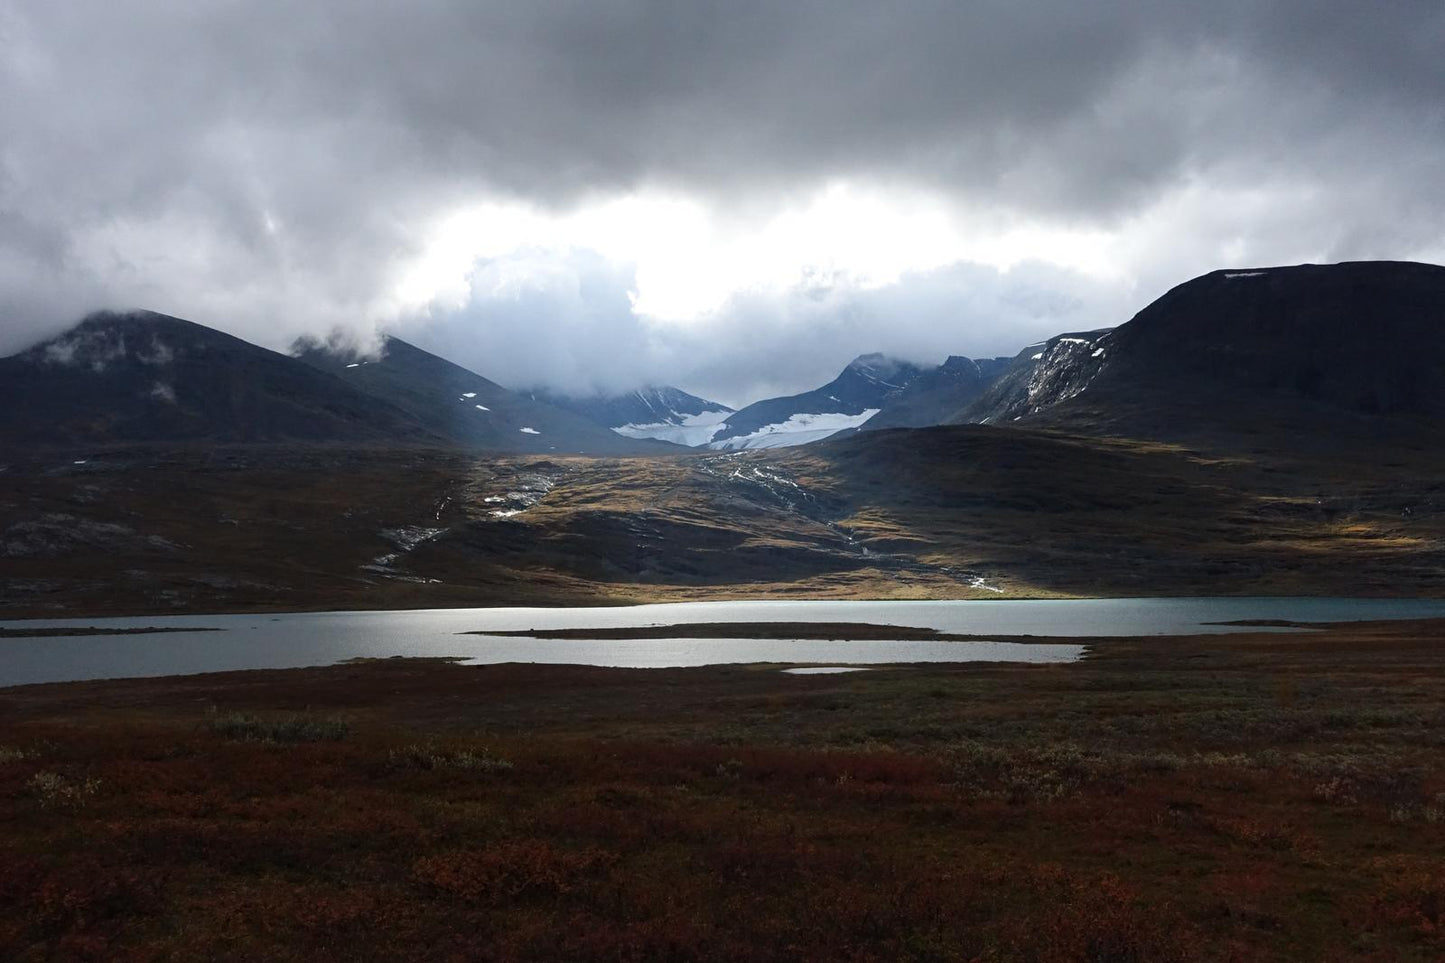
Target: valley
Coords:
[[1243, 434], [950, 512]]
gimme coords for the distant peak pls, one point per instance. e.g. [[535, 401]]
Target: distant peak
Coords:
[[880, 368], [868, 361], [876, 365]]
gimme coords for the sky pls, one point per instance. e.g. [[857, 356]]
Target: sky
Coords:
[[735, 197]]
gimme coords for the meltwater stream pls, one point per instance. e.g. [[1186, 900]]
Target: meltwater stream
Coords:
[[322, 638]]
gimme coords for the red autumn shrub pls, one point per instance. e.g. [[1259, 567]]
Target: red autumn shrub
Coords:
[[507, 871]]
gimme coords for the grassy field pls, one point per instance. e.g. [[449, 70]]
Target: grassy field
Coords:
[[1252, 797]]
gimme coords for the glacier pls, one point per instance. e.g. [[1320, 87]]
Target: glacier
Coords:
[[797, 430]]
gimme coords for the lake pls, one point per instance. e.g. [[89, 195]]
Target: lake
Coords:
[[322, 638]]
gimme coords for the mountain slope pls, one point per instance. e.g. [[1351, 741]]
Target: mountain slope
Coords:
[[938, 394], [665, 413], [466, 408], [147, 377], [1249, 350], [847, 401], [1040, 375]]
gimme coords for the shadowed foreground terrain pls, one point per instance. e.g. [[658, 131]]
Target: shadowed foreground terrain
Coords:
[[953, 512], [1261, 797]]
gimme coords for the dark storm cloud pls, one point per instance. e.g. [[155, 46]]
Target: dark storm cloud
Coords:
[[267, 167]]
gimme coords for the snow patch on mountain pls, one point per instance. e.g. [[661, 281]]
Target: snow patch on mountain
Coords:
[[664, 413], [691, 430], [859, 392], [799, 429]]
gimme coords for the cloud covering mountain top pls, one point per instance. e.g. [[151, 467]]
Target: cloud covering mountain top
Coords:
[[735, 196]]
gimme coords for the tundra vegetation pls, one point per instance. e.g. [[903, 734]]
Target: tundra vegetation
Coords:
[[954, 512], [1259, 796]]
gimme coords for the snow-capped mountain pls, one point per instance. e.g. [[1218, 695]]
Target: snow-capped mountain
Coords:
[[664, 413], [849, 400], [462, 406]]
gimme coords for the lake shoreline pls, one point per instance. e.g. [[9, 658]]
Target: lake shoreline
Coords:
[[823, 631], [41, 632], [20, 614], [658, 636]]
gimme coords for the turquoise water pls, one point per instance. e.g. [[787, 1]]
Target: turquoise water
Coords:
[[321, 638]]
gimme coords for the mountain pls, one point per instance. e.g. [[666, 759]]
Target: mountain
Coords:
[[847, 401], [665, 413], [463, 407], [938, 393], [1040, 375], [147, 377], [1283, 352], [1302, 409]]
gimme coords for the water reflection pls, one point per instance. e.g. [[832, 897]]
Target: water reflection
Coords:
[[321, 638]]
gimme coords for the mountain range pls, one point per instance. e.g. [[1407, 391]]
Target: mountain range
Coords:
[[1359, 340], [147, 377], [1253, 431], [120, 378], [873, 391]]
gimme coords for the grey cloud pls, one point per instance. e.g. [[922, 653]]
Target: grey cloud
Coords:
[[265, 166], [573, 329]]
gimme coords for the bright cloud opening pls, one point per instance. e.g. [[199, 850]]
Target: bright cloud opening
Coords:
[[689, 260]]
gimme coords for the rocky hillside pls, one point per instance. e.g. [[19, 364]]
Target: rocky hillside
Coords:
[[1253, 349]]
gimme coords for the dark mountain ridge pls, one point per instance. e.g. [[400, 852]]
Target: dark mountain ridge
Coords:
[[1359, 339], [147, 377], [465, 408], [142, 377], [938, 393]]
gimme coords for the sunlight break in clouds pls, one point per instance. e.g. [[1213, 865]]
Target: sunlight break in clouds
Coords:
[[689, 261]]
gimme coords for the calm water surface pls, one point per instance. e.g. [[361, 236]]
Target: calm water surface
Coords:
[[321, 638]]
